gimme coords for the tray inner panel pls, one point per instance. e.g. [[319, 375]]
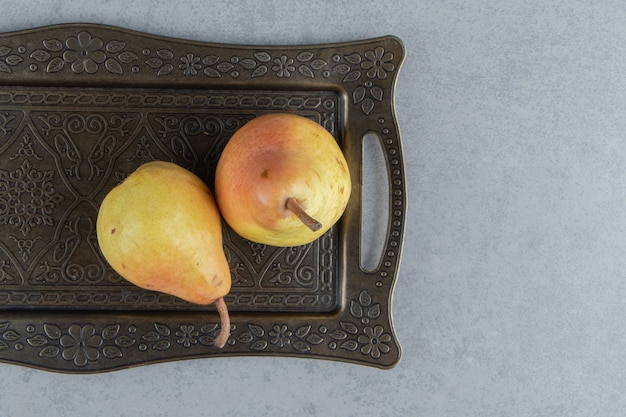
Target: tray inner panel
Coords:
[[63, 149]]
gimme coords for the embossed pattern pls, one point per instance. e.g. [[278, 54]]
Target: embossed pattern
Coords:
[[82, 52], [49, 212], [84, 345], [95, 102]]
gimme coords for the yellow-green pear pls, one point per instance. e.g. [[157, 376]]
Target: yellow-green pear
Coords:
[[161, 230]]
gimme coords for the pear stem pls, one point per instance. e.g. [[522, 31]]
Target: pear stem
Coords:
[[222, 338], [293, 205]]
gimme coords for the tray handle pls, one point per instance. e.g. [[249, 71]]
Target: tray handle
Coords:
[[372, 136], [379, 188], [375, 203]]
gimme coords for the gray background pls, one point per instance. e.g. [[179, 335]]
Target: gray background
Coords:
[[511, 296]]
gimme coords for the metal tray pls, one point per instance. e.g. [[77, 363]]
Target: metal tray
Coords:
[[81, 106]]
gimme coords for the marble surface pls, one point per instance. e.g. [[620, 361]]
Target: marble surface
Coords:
[[512, 292]]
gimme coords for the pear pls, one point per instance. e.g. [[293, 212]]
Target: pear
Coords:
[[282, 180], [161, 230]]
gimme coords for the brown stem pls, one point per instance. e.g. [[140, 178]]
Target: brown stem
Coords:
[[293, 205], [222, 338]]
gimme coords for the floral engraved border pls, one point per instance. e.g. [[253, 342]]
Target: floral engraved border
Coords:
[[81, 53], [87, 52], [75, 346], [360, 333]]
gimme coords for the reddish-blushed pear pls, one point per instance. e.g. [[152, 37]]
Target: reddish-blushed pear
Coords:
[[161, 230], [282, 180]]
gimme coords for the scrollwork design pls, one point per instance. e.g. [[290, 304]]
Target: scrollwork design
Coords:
[[6, 277], [62, 265], [92, 123], [5, 123], [102, 151], [293, 270], [26, 149], [100, 135], [24, 246], [65, 146]]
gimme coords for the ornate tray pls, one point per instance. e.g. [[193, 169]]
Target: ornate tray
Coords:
[[81, 106]]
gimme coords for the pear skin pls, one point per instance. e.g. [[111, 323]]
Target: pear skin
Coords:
[[161, 230], [282, 180]]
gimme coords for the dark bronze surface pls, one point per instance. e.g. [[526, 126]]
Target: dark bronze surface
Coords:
[[82, 106]]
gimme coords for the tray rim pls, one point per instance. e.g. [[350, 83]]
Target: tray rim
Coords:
[[363, 314]]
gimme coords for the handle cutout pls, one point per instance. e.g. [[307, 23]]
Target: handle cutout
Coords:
[[374, 203]]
